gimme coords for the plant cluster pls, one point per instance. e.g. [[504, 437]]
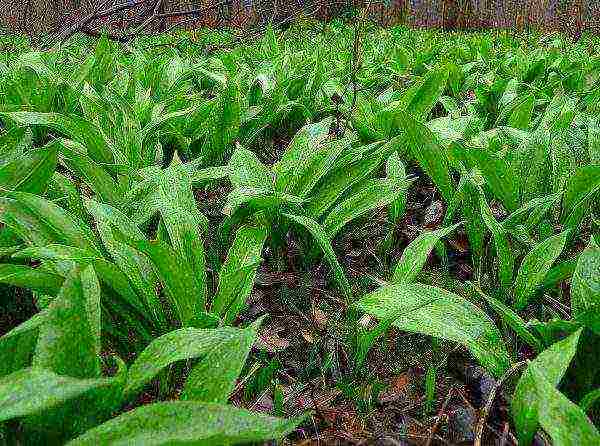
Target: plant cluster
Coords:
[[135, 293]]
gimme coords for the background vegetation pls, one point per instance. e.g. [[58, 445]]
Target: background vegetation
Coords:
[[335, 233]]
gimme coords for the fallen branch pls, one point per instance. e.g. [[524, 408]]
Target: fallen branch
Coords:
[[488, 407], [98, 14]]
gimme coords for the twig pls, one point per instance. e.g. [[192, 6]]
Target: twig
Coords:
[[98, 14], [196, 11], [441, 414], [492, 397], [356, 63]]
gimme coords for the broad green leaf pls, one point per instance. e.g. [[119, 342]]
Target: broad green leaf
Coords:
[[17, 346], [185, 343], [213, 379], [594, 140], [74, 127], [506, 258], [64, 190], [562, 419], [107, 272], [28, 214], [69, 340], [395, 168], [374, 194], [75, 415], [131, 262], [258, 199], [551, 365], [90, 172], [324, 242], [182, 287], [246, 171], [223, 124], [297, 161], [175, 202], [522, 113], [589, 400], [585, 285], [579, 189], [496, 172], [436, 312], [349, 169], [199, 177], [531, 162], [531, 213], [187, 422], [30, 172], [237, 274], [33, 390], [33, 278], [514, 321], [427, 151], [416, 253], [471, 211], [535, 266], [428, 93]]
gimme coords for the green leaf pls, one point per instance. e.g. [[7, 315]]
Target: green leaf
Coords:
[[562, 419], [33, 390], [531, 213], [535, 266], [210, 174], [589, 400], [435, 312], [30, 172], [496, 172], [324, 242], [426, 150], [521, 114], [246, 171], [258, 199], [90, 172], [185, 343], [175, 202], [349, 169], [374, 194], [69, 340], [298, 161], [579, 189], [394, 168], [33, 217], [74, 127], [237, 274], [416, 253], [75, 415], [131, 262], [585, 285], [107, 272], [513, 320], [183, 422], [550, 365], [506, 258], [33, 278], [17, 346], [182, 287], [429, 93], [213, 379]]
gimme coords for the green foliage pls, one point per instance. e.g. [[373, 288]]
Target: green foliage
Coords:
[[110, 158]]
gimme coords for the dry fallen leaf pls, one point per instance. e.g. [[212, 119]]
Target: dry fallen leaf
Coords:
[[320, 318], [269, 339], [396, 390]]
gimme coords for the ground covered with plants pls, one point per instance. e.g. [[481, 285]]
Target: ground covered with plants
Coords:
[[310, 237]]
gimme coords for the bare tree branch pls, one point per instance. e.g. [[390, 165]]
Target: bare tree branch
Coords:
[[98, 14]]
